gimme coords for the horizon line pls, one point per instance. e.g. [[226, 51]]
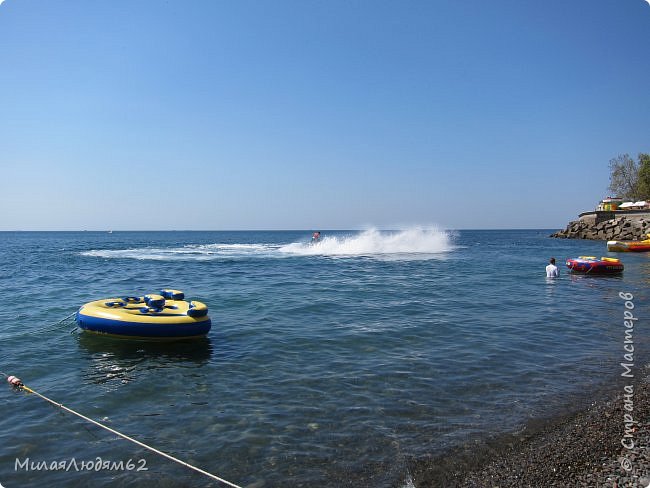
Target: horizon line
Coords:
[[108, 231]]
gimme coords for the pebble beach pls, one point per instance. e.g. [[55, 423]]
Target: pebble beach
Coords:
[[579, 449]]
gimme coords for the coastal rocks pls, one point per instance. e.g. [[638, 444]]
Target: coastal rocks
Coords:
[[620, 229]]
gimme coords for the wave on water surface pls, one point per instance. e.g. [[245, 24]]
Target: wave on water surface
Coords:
[[192, 252], [413, 243], [416, 242]]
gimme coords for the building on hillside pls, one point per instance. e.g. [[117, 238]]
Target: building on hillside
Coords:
[[609, 204]]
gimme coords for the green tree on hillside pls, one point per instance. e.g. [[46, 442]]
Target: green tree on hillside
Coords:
[[630, 179], [643, 183]]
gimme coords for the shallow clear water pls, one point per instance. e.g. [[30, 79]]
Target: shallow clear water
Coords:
[[327, 365]]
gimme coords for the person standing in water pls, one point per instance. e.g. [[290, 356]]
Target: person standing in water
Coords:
[[551, 269]]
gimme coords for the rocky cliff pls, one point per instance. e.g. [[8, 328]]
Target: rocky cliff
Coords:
[[619, 229]]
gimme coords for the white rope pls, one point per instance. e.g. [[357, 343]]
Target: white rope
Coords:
[[60, 322], [142, 444], [54, 326]]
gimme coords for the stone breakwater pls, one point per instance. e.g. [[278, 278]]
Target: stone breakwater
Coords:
[[619, 229]]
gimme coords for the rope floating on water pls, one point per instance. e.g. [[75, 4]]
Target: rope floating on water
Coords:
[[53, 326], [17, 383], [66, 317]]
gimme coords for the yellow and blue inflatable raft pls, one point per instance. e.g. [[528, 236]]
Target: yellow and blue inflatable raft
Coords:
[[164, 316]]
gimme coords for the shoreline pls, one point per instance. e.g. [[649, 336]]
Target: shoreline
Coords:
[[607, 227], [579, 448]]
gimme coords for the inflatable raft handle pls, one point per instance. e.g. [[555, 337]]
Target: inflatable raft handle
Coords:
[[133, 299], [145, 310], [172, 294], [587, 257], [611, 260], [197, 309], [154, 301]]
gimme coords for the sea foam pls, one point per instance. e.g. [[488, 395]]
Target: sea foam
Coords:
[[418, 242], [411, 243], [202, 252]]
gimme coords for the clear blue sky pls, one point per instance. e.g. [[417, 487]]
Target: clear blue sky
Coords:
[[316, 114]]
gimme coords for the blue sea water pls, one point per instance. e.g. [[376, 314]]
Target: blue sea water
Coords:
[[327, 365]]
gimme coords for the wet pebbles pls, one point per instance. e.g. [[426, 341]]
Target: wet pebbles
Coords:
[[583, 449]]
